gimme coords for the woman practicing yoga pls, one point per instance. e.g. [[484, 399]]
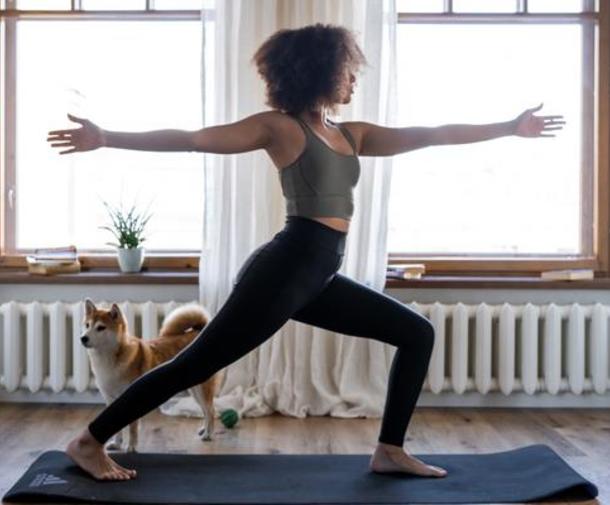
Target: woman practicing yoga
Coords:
[[309, 72]]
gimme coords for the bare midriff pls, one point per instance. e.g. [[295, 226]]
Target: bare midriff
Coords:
[[338, 223]]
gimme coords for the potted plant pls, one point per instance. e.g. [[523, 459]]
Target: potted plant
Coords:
[[128, 229]]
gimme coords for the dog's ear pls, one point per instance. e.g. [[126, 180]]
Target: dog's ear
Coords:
[[89, 306], [115, 312]]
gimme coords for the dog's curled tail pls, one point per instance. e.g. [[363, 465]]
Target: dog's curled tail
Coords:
[[181, 319]]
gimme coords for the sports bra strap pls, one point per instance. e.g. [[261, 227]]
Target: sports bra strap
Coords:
[[302, 123], [342, 129], [347, 135]]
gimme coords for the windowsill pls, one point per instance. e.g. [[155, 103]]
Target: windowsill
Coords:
[[101, 276], [168, 276]]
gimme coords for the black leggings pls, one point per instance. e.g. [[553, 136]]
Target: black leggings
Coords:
[[293, 276]]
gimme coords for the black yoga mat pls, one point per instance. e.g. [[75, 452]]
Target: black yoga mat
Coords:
[[530, 473]]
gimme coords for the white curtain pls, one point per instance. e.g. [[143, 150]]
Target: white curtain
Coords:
[[301, 369]]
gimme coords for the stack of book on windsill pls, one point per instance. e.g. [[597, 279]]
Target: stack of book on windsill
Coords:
[[567, 275], [49, 261], [405, 270]]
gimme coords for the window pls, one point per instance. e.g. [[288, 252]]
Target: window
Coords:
[[131, 81], [146, 76], [504, 205], [512, 198]]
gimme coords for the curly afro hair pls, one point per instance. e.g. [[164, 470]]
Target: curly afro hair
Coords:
[[304, 68]]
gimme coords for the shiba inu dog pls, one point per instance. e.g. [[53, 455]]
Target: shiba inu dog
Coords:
[[117, 358]]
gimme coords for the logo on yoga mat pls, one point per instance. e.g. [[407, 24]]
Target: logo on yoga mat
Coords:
[[46, 479]]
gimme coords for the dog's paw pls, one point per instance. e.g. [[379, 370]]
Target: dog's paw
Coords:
[[204, 434], [131, 448]]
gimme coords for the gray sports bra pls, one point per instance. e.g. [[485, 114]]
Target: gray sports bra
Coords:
[[319, 182]]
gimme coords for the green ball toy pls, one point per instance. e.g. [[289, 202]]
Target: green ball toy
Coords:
[[229, 417]]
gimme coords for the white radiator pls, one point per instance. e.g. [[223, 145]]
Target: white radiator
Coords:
[[40, 342], [526, 348], [480, 348]]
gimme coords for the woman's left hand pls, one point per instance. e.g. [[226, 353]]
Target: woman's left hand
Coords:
[[528, 125]]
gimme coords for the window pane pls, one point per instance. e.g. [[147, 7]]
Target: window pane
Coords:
[[420, 5], [43, 5], [509, 195], [131, 81], [111, 5], [484, 6], [554, 5]]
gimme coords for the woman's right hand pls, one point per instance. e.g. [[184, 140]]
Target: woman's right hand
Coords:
[[87, 138]]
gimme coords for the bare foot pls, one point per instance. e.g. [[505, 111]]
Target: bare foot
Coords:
[[391, 458], [90, 455]]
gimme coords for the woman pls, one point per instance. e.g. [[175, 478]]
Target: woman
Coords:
[[308, 73]]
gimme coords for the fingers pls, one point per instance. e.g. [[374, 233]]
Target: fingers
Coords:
[[73, 118], [59, 132], [61, 141]]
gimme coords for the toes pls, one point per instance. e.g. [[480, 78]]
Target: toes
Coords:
[[115, 473], [438, 471], [108, 475], [126, 473], [116, 465], [129, 471]]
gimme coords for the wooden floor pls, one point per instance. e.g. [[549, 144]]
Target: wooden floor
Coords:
[[580, 436]]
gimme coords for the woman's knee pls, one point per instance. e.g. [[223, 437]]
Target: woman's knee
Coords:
[[413, 326], [428, 332]]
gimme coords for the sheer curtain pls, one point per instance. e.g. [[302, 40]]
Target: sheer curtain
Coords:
[[301, 369]]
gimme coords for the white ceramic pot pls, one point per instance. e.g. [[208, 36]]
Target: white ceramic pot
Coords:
[[130, 260]]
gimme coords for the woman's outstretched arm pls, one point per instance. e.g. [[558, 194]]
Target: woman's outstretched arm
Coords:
[[250, 133], [376, 140]]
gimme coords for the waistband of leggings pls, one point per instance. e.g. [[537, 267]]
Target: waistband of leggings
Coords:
[[315, 232]]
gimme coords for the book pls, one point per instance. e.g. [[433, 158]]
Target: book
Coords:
[[51, 260], [406, 270], [46, 269], [568, 274], [64, 254]]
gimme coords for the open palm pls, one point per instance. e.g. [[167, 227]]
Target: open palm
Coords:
[[528, 125], [87, 138]]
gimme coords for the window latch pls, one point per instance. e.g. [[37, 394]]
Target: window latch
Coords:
[[11, 198]]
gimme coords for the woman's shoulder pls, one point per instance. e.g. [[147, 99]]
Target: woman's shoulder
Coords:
[[275, 120]]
